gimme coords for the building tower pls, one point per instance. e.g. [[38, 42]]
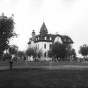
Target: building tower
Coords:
[[33, 35]]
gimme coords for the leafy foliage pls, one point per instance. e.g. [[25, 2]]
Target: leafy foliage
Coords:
[[83, 50], [20, 54], [58, 50], [31, 52], [6, 31], [13, 49], [70, 51], [7, 56], [50, 53], [40, 53]]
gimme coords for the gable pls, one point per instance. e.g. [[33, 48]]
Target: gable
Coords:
[[58, 39]]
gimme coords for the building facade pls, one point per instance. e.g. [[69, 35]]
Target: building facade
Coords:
[[43, 41]]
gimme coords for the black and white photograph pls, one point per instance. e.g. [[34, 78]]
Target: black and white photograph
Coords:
[[43, 44]]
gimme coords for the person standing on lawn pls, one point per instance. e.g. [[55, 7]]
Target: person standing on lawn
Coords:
[[11, 62]]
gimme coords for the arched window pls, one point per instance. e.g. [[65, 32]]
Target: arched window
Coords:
[[38, 38], [58, 39], [50, 38], [45, 54]]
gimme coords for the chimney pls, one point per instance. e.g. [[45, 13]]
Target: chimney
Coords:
[[56, 33], [33, 35]]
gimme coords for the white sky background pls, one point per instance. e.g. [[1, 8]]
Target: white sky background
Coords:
[[67, 17]]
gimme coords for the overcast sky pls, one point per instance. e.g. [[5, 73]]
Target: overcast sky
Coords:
[[67, 17]]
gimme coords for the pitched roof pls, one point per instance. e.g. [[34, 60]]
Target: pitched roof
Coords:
[[65, 39], [44, 33]]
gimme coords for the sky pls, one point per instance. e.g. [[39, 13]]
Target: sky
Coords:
[[67, 17]]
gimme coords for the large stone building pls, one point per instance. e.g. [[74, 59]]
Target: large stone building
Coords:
[[43, 40]]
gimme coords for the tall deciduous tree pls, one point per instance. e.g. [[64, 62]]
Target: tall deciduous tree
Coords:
[[58, 50], [83, 50], [6, 31]]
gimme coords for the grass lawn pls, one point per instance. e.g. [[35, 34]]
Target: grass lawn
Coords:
[[43, 63], [43, 78]]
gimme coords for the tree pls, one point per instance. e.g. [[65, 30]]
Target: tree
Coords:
[[6, 31], [13, 49], [40, 53], [7, 56], [70, 52], [20, 54], [58, 50], [84, 50], [31, 52], [50, 53]]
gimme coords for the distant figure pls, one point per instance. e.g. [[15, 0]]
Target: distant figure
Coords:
[[24, 58], [11, 63]]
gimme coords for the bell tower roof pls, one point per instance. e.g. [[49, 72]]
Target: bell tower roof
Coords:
[[43, 29]]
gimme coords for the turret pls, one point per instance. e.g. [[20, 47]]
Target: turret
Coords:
[[43, 29]]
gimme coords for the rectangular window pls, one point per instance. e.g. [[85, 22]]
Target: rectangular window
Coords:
[[44, 46]]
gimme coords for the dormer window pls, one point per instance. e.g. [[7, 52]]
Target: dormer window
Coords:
[[45, 38], [65, 39], [50, 38], [38, 38], [69, 40]]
